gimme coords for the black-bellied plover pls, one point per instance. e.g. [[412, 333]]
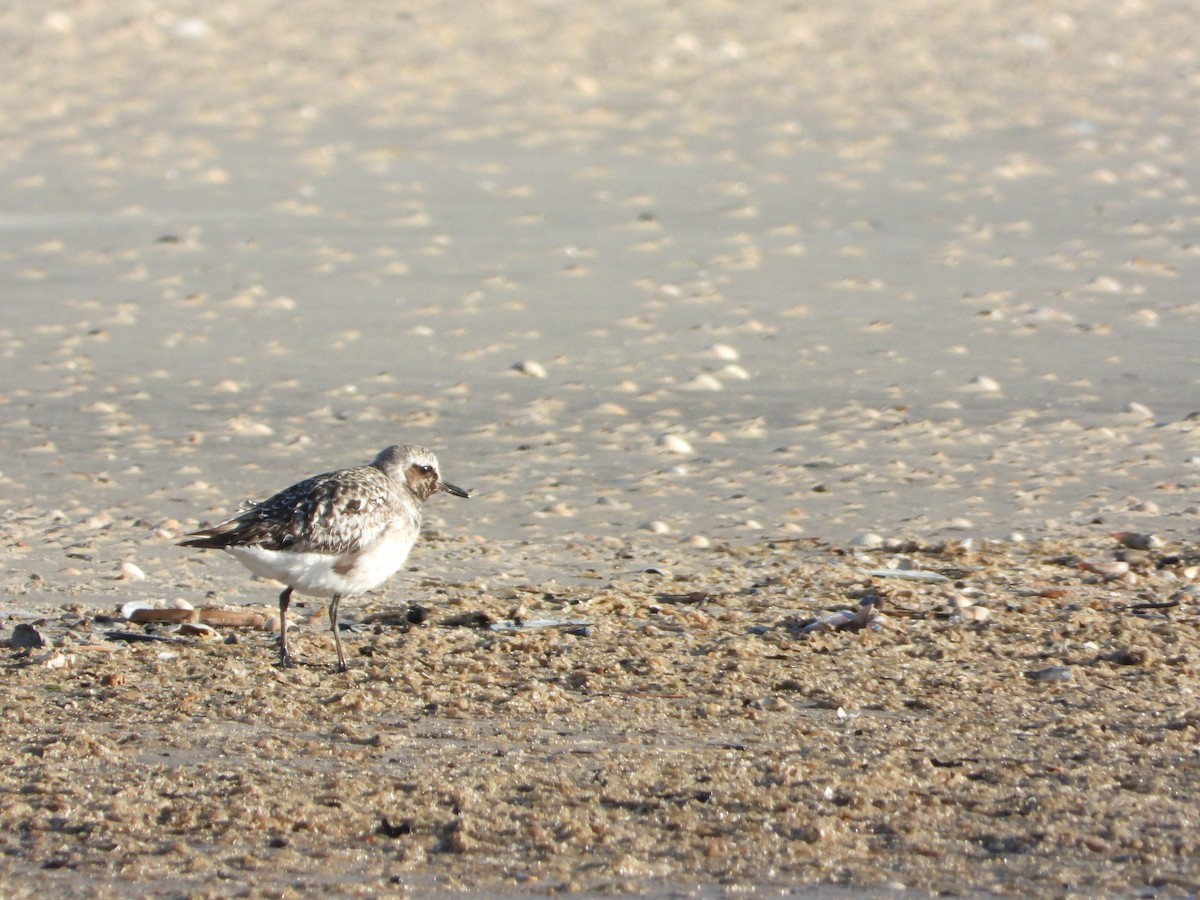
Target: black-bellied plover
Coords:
[[334, 535]]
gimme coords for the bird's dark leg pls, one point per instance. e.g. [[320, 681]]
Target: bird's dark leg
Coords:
[[285, 658], [337, 635]]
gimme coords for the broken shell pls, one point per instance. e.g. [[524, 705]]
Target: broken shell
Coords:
[[907, 575], [1140, 410], [198, 629], [1051, 674], [866, 616]]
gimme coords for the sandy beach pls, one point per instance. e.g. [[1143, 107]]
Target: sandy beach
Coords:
[[732, 319]]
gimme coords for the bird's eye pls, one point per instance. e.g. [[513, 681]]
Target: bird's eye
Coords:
[[424, 470]]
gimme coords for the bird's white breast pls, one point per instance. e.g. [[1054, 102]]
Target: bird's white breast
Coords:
[[325, 574]]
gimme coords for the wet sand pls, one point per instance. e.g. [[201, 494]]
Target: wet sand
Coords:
[[716, 313]]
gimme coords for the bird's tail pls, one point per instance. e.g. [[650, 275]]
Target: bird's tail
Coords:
[[216, 538]]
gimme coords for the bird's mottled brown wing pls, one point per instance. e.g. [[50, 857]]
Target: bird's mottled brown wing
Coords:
[[339, 512]]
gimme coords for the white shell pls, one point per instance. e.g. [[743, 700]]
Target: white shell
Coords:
[[531, 368], [724, 351], [673, 443]]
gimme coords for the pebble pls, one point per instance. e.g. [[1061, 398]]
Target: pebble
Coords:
[[657, 527]]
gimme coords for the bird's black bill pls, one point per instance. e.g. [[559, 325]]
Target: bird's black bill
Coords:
[[453, 489]]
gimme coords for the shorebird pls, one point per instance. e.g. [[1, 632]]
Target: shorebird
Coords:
[[335, 535]]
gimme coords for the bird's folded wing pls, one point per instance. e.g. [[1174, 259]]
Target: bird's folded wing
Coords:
[[340, 512]]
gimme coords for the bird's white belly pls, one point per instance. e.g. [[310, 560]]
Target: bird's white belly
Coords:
[[322, 574]]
